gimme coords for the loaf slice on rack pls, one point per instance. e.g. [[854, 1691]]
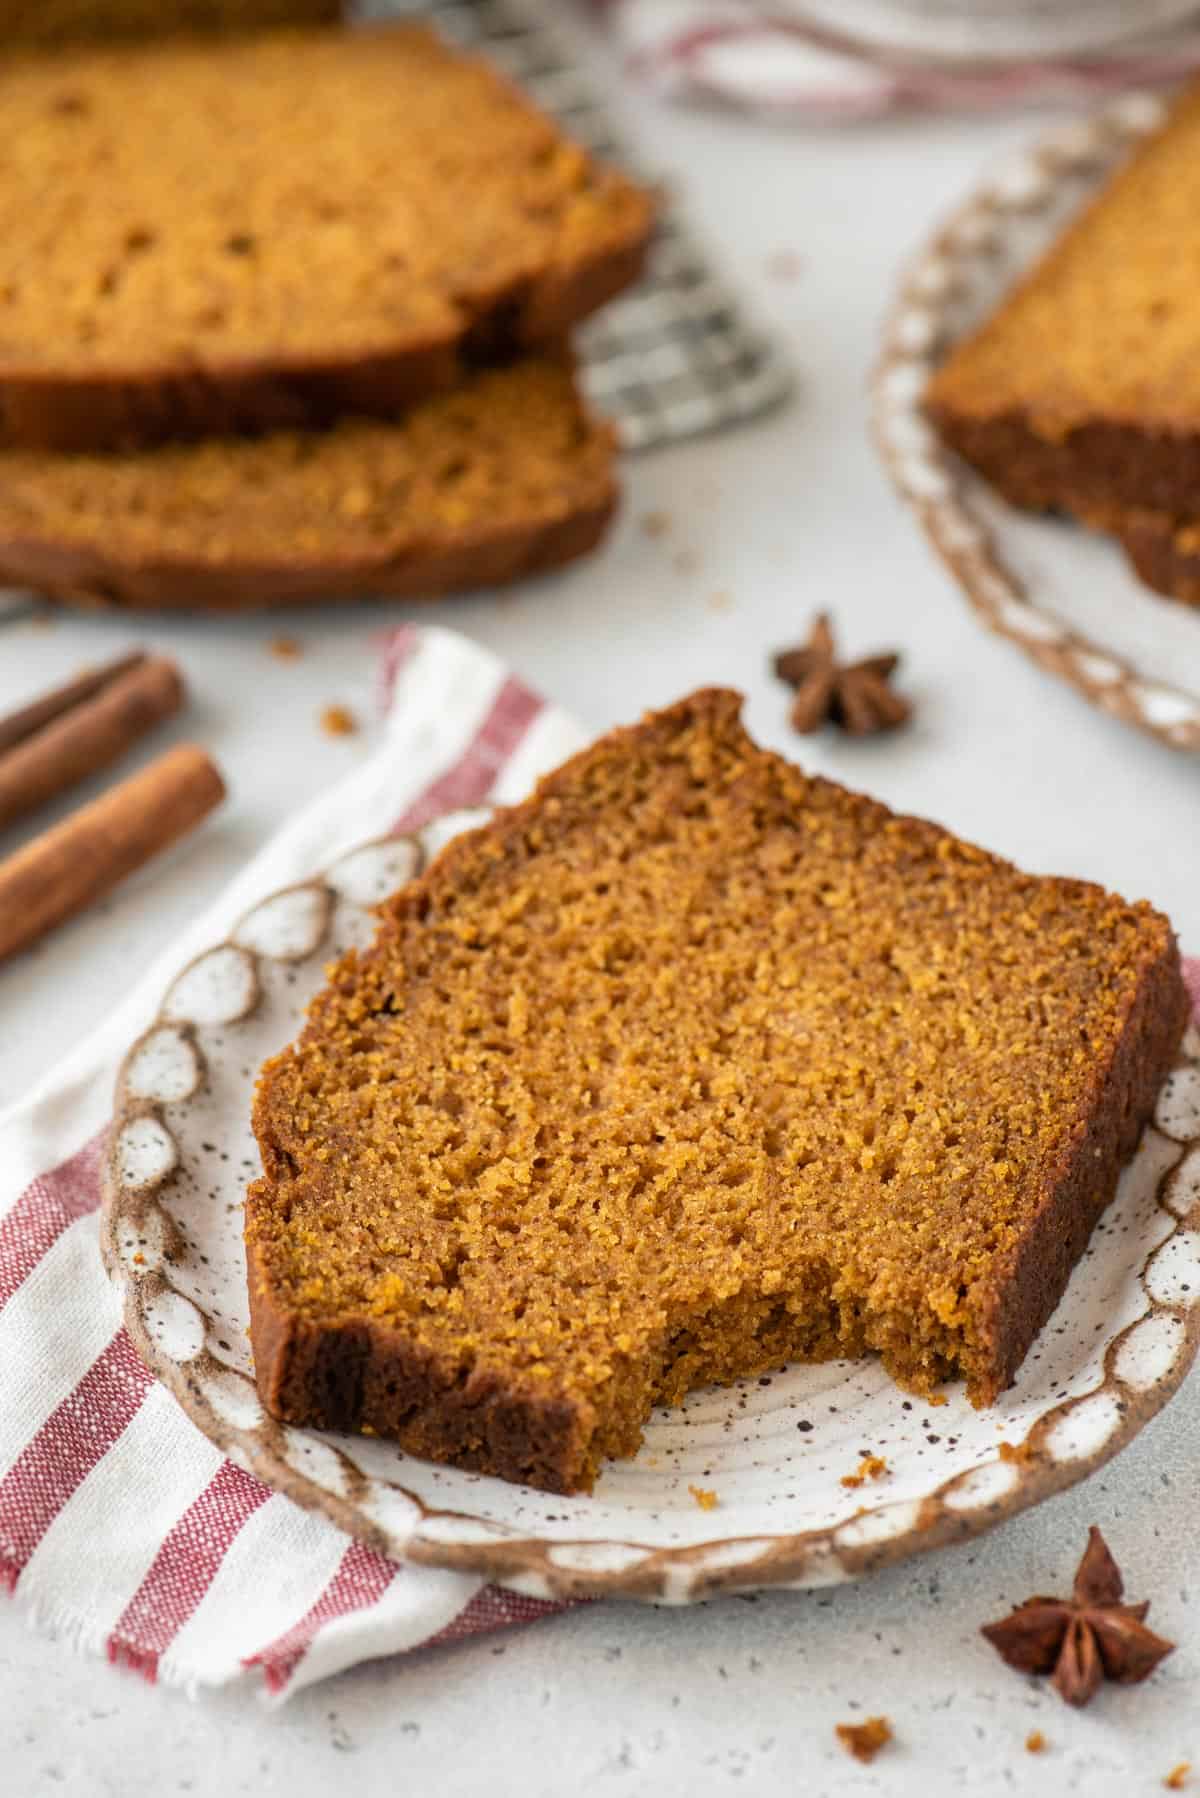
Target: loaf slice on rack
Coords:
[[503, 476], [199, 238]]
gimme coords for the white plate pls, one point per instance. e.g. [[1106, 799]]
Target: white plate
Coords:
[[774, 1451], [1068, 598]]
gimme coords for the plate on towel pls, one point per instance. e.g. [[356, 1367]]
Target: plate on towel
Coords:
[[740, 1487], [1065, 596]]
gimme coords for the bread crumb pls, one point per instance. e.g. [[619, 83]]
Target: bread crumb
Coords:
[[139, 1259], [720, 602], [338, 721], [1177, 1778], [656, 524], [871, 1467], [1035, 1742], [864, 1740], [708, 1501], [288, 649], [937, 1398]]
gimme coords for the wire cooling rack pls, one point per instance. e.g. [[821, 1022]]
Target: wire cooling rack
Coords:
[[674, 357]]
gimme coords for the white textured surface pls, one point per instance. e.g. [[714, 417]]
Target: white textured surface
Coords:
[[783, 517]]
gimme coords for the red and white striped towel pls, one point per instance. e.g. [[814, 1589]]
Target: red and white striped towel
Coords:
[[122, 1529], [769, 57]]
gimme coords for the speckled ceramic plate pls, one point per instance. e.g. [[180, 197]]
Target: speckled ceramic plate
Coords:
[[769, 1459], [1065, 596]]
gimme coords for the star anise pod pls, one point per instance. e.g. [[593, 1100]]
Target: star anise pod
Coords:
[[856, 696], [1086, 1638]]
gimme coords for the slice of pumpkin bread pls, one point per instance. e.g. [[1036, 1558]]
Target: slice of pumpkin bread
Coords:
[[691, 1065], [504, 476], [199, 238], [1082, 389]]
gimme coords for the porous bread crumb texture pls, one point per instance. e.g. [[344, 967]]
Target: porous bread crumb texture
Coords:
[[690, 1066], [503, 475], [187, 227], [1083, 387], [53, 23]]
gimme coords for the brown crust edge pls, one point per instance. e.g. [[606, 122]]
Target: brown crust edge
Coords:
[[1085, 1182], [1137, 486], [361, 1377], [1158, 556], [495, 555], [1102, 463]]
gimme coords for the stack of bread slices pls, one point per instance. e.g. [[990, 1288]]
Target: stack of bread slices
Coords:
[[284, 308]]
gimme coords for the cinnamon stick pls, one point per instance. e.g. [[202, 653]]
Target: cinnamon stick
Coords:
[[19, 725], [91, 734], [76, 862]]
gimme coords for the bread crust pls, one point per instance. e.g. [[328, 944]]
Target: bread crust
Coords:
[[97, 578], [360, 1376], [1094, 466], [1137, 486], [363, 1374], [1163, 551], [1078, 1190]]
